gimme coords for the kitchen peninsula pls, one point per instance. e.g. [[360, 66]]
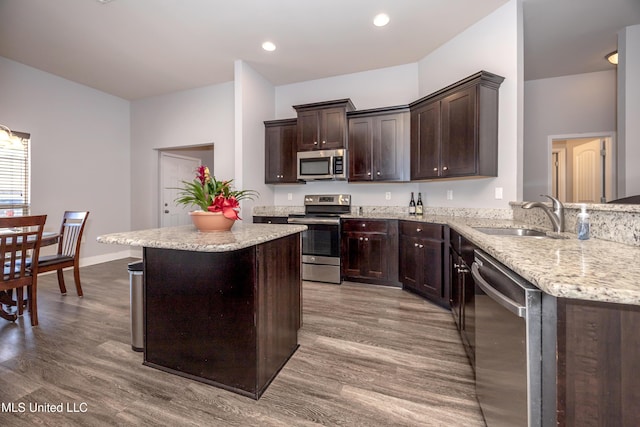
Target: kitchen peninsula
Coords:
[[222, 308]]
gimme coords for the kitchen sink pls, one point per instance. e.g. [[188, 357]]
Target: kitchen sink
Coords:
[[519, 232]]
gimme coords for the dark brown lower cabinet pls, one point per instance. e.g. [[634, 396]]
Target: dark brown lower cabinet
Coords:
[[598, 358], [370, 251], [462, 290], [422, 260]]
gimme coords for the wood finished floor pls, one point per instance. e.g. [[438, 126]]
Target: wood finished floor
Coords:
[[368, 356]]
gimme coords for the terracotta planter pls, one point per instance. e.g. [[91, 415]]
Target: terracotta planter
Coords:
[[211, 221]]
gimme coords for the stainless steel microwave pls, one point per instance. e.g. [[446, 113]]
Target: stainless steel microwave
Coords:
[[322, 164]]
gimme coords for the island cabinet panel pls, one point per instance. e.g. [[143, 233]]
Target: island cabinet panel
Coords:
[[229, 319], [280, 151], [323, 125], [598, 358], [370, 251], [379, 144], [454, 131], [423, 261]]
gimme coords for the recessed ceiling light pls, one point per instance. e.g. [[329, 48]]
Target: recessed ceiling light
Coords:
[[613, 57], [268, 46], [381, 20], [104, 1]]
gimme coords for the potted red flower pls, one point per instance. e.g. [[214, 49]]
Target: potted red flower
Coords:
[[213, 196]]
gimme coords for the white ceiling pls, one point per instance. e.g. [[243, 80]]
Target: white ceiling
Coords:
[[139, 48]]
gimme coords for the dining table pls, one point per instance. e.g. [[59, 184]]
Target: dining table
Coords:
[[6, 297]]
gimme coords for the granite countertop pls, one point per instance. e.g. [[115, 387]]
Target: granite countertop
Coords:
[[594, 269], [188, 238]]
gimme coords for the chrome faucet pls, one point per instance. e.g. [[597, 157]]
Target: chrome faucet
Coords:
[[556, 216]]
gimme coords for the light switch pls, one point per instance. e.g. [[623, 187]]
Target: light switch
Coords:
[[499, 193], [449, 194], [289, 196], [387, 195]]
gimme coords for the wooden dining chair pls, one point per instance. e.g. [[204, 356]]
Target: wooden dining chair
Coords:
[[68, 255], [20, 238]]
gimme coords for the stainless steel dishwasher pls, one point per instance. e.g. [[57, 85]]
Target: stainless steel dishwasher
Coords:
[[509, 347]]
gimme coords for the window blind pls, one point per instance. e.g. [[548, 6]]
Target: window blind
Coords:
[[15, 177]]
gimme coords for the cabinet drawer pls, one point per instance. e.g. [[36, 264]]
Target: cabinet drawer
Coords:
[[421, 229], [270, 219], [365, 226]]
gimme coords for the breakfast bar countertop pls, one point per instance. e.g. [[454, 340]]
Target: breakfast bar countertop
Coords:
[[188, 238]]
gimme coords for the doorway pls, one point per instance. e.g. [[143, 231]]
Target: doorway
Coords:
[[583, 168], [175, 166]]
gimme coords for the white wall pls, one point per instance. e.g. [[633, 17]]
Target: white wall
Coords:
[[577, 104], [255, 102], [79, 151], [493, 44], [370, 89], [193, 117], [629, 110]]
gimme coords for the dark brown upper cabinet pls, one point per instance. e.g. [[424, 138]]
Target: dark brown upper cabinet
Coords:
[[323, 125], [379, 144], [280, 151], [454, 131]]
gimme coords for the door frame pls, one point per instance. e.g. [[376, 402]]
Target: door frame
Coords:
[[562, 173], [611, 163]]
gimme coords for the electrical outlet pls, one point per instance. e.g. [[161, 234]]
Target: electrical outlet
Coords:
[[289, 196], [449, 194], [387, 195], [499, 193]]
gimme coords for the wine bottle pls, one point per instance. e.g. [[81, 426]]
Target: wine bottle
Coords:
[[419, 207], [412, 205]]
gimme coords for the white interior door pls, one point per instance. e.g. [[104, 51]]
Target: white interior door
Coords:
[[174, 170], [587, 172]]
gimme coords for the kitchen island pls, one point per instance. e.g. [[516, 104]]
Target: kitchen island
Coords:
[[221, 308]]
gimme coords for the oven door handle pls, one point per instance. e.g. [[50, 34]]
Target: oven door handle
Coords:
[[508, 303], [312, 221]]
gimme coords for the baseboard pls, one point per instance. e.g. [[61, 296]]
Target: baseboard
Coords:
[[99, 259]]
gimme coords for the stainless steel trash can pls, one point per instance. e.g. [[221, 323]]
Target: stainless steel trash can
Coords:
[[136, 295]]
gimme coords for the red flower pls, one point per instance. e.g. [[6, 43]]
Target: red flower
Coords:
[[226, 206], [202, 174]]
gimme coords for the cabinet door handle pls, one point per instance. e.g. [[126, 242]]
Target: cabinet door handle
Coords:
[[315, 142], [324, 142], [421, 246], [361, 239], [435, 169], [415, 245], [366, 239], [418, 230], [368, 173], [364, 225], [378, 173], [445, 168]]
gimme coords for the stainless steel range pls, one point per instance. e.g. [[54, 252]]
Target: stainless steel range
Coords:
[[321, 241]]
